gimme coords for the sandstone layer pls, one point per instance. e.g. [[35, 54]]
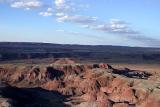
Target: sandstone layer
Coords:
[[69, 84]]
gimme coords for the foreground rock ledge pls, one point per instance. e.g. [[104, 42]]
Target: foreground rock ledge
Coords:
[[77, 85]]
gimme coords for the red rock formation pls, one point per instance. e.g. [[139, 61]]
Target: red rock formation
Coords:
[[94, 85], [120, 105], [64, 61], [52, 85], [102, 65]]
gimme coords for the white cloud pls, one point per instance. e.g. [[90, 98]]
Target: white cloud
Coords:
[[59, 3], [28, 4], [46, 13], [85, 26], [64, 6], [65, 12], [49, 9], [77, 19], [114, 26], [123, 29], [60, 14]]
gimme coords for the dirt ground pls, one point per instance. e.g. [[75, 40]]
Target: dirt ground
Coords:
[[142, 67]]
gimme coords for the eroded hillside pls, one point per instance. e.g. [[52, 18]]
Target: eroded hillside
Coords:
[[69, 84]]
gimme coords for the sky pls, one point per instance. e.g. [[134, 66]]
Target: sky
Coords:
[[86, 22]]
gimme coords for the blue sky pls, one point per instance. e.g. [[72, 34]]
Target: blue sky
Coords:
[[91, 22]]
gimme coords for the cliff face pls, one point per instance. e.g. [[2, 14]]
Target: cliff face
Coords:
[[83, 85]]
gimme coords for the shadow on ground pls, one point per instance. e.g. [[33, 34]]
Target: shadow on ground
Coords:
[[133, 73], [33, 97]]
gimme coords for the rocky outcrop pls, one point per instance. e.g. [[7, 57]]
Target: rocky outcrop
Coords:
[[64, 61], [89, 85]]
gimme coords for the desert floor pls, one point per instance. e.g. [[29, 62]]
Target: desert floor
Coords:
[[142, 67]]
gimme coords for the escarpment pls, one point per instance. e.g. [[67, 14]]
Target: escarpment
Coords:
[[79, 85]]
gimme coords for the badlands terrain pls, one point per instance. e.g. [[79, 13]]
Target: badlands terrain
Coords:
[[67, 83]]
